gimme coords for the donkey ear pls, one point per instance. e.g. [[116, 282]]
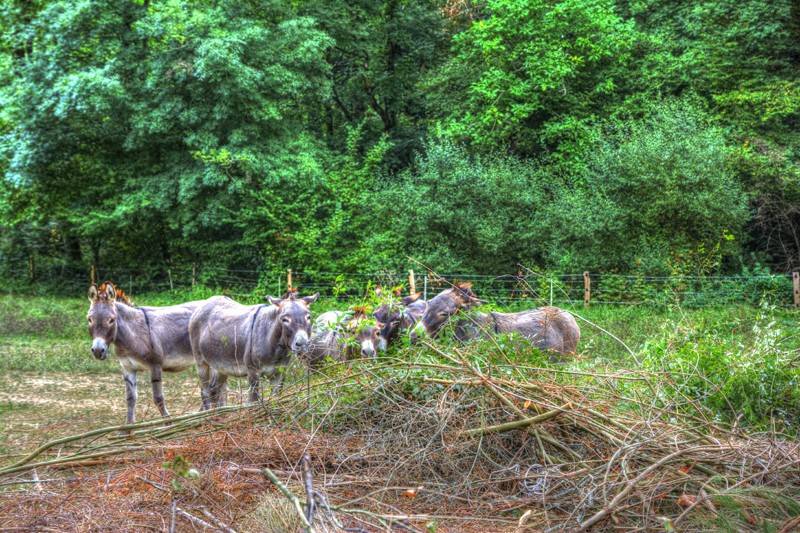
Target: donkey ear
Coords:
[[274, 301], [310, 299], [111, 293], [410, 299], [92, 294], [463, 292]]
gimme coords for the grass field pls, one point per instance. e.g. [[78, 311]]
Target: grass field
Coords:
[[49, 381], [738, 366]]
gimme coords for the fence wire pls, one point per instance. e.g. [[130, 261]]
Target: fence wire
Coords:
[[509, 290]]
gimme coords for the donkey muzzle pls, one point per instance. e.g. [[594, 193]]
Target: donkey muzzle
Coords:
[[367, 349], [300, 342], [99, 349]]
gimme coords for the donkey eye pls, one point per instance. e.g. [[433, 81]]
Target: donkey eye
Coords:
[[308, 316], [110, 320], [90, 320], [286, 320]]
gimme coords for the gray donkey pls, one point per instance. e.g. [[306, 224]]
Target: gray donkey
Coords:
[[146, 338], [398, 317], [343, 335], [548, 328], [230, 339]]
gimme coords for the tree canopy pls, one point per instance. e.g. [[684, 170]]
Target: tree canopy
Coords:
[[622, 136]]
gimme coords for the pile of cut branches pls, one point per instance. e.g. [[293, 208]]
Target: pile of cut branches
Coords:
[[443, 442]]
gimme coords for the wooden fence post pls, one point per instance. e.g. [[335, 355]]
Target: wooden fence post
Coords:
[[93, 275], [412, 282], [169, 275], [31, 268], [425, 287], [796, 288], [289, 280], [194, 274], [587, 289]]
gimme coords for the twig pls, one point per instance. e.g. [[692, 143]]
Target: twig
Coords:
[[172, 509], [68, 459], [703, 497], [621, 495], [110, 429], [516, 424], [307, 479], [193, 519], [219, 523], [292, 498]]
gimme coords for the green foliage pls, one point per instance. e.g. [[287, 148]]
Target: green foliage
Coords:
[[663, 182], [182, 471], [637, 136], [754, 383], [533, 70], [467, 213]]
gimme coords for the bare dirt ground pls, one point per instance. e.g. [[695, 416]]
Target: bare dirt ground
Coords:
[[36, 407]]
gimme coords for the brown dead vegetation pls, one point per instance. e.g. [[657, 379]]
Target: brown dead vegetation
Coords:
[[416, 446]]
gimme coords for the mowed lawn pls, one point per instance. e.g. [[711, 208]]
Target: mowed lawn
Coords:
[[51, 386]]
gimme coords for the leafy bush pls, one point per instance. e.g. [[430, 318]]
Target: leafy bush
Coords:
[[459, 212], [755, 384]]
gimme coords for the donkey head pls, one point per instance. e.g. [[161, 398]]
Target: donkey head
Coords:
[[365, 331], [102, 318], [446, 304], [394, 318], [294, 319]]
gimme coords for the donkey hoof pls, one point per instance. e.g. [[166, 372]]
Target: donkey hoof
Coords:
[[124, 433]]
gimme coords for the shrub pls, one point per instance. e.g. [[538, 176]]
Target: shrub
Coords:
[[754, 385]]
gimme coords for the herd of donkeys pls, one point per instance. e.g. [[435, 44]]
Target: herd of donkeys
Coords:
[[224, 338]]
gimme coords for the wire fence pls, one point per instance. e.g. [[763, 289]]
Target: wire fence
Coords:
[[521, 288]]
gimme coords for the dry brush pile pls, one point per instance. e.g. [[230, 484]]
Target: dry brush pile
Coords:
[[443, 442]]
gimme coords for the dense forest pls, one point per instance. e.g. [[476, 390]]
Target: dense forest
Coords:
[[631, 136]]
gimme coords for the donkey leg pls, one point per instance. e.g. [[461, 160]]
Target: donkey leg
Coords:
[[129, 376], [218, 389], [254, 379], [276, 380], [204, 373], [158, 391]]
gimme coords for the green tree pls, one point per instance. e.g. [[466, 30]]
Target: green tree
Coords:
[[529, 72], [654, 191], [160, 127], [383, 50]]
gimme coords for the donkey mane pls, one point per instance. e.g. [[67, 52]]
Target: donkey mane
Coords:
[[290, 294], [360, 311], [120, 294]]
